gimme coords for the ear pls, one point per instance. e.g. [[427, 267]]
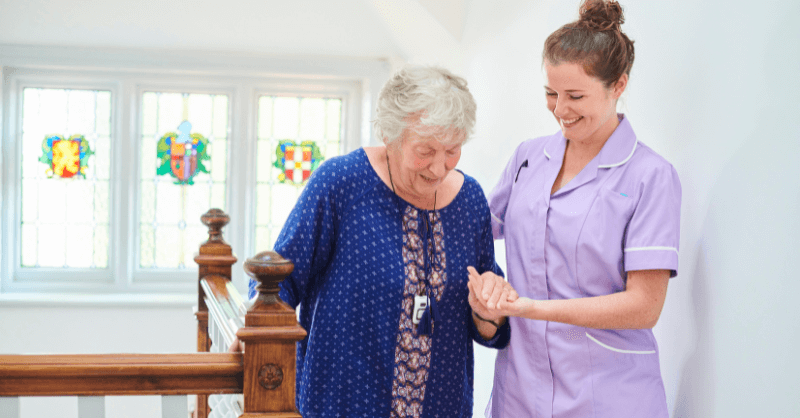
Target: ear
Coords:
[[619, 87]]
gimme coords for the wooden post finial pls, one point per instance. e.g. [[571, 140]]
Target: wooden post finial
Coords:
[[270, 333], [269, 269], [215, 219]]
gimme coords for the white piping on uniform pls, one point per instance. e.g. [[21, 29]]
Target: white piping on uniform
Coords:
[[546, 154], [498, 219], [623, 161], [617, 349], [651, 249]]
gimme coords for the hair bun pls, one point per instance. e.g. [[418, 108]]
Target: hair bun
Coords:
[[601, 15]]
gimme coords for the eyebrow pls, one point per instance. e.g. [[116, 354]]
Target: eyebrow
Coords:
[[568, 91]]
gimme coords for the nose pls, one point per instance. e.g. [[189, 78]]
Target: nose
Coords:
[[560, 108], [438, 167]]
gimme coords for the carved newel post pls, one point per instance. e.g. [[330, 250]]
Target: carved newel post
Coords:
[[215, 258], [270, 334]]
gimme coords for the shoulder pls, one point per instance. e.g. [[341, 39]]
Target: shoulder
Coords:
[[349, 170], [354, 163], [649, 171], [472, 189], [473, 196], [648, 163], [340, 179]]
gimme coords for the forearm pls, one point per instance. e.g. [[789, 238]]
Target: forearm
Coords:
[[623, 310], [638, 306]]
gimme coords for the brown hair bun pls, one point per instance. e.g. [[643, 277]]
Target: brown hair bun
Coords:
[[601, 15], [595, 41]]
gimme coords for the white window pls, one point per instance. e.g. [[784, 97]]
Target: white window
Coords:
[[107, 167]]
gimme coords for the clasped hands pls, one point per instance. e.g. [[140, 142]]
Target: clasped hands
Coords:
[[491, 297]]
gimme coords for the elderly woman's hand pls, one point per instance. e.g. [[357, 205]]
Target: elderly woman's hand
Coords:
[[488, 292]]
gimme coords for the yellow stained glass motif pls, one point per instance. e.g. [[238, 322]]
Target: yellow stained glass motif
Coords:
[[65, 201]]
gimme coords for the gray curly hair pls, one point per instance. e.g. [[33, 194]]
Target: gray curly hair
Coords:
[[434, 97]]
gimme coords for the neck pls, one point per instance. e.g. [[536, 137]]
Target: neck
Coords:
[[591, 146]]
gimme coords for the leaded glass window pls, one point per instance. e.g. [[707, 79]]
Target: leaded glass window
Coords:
[[66, 150], [295, 134], [184, 152]]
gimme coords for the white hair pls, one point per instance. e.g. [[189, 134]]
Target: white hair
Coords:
[[429, 101]]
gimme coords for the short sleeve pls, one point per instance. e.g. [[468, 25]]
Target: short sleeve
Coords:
[[307, 238], [500, 195], [653, 234]]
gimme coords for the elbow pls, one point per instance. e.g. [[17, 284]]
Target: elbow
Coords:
[[650, 318]]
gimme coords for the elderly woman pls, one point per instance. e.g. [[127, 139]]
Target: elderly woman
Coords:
[[381, 239]]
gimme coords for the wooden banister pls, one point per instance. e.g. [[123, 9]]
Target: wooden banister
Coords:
[[120, 374], [224, 303], [264, 373]]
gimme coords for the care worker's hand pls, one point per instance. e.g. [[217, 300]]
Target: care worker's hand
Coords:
[[486, 291]]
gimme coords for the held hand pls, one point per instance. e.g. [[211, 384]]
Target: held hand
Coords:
[[480, 308], [485, 291], [496, 298], [490, 288]]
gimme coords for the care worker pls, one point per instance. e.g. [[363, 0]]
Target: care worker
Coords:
[[590, 217]]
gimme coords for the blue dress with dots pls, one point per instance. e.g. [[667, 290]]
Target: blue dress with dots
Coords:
[[361, 254]]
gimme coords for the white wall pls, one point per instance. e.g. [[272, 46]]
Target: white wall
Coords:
[[714, 89]]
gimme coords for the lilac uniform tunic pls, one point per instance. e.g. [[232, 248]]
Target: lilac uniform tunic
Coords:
[[620, 213]]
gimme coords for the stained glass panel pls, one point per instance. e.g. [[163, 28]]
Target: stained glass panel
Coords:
[[66, 160], [184, 148], [295, 134]]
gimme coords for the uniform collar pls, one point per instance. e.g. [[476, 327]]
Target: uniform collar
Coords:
[[617, 150]]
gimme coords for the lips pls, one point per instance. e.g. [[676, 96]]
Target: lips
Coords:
[[429, 180], [569, 122]]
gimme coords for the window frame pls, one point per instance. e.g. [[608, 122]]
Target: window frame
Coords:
[[127, 74]]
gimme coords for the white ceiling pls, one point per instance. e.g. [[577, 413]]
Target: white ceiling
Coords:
[[303, 27], [395, 29]]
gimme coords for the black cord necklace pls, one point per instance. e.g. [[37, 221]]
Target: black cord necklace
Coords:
[[431, 314]]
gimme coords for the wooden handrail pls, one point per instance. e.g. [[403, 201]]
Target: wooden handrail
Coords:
[[264, 373], [120, 374]]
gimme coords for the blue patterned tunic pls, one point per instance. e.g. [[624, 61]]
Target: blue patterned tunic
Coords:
[[359, 261]]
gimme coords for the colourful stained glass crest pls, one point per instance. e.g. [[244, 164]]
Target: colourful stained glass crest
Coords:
[[66, 157], [181, 154], [297, 162]]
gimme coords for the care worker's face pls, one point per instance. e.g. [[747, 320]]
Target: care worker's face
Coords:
[[423, 162], [584, 108]]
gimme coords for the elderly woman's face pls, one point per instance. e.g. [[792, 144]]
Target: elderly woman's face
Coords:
[[424, 162]]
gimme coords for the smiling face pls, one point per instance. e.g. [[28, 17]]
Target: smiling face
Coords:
[[583, 106], [420, 164]]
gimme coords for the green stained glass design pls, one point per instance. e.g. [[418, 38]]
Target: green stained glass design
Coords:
[[65, 178], [184, 156], [312, 127]]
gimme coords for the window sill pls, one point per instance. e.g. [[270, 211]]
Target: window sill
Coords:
[[137, 300]]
